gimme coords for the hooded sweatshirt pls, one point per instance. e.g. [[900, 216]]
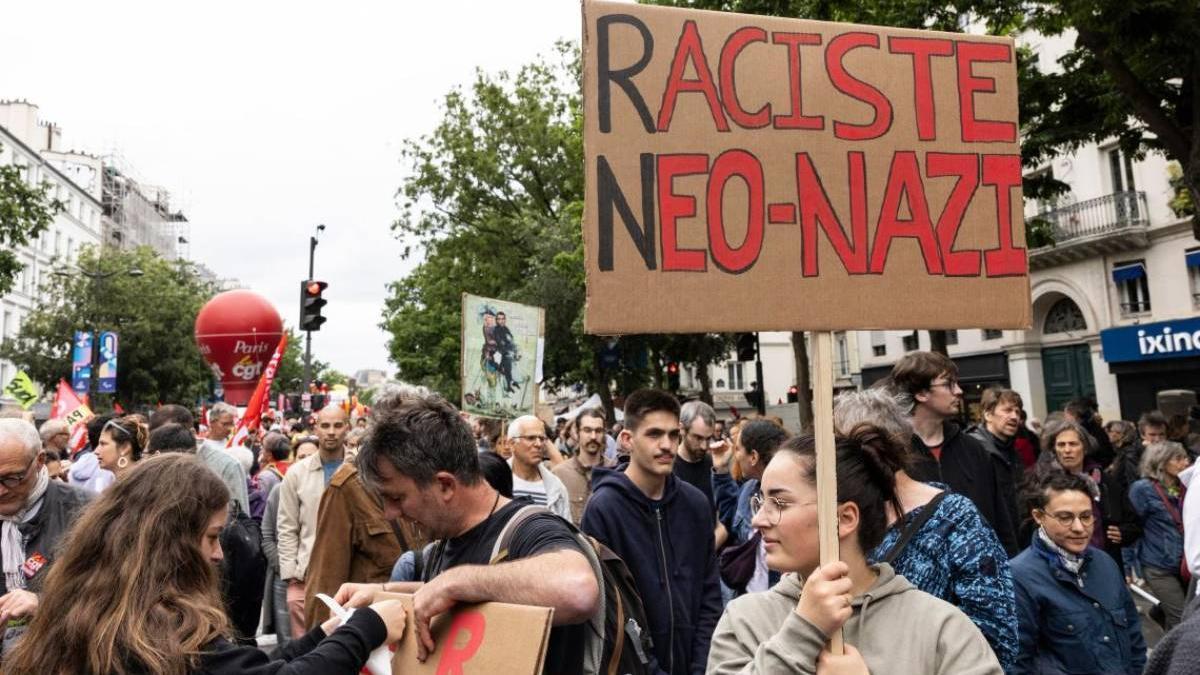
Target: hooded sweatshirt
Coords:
[[896, 628], [667, 544], [85, 472]]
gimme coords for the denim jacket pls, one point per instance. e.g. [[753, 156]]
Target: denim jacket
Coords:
[[1161, 545], [1066, 628]]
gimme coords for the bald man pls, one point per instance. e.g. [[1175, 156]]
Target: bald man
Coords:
[[299, 503]]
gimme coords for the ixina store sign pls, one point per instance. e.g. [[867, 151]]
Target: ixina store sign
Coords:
[[753, 173]]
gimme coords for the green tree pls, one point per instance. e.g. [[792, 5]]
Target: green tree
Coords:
[[25, 212], [154, 315]]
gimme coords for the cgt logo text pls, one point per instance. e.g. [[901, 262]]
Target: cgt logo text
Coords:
[[246, 369], [1167, 342]]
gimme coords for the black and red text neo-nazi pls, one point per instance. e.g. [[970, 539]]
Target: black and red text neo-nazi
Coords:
[[720, 92], [904, 212]]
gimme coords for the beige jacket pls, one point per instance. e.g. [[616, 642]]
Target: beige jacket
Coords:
[[897, 629], [577, 480], [299, 502]]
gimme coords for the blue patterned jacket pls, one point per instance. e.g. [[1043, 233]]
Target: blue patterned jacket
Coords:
[[957, 557]]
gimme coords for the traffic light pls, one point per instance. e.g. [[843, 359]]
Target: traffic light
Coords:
[[311, 303], [793, 393], [673, 376], [747, 346]]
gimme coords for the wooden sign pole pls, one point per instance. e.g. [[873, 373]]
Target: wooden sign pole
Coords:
[[827, 522]]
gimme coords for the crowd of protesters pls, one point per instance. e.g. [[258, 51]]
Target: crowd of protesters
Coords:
[[1010, 545]]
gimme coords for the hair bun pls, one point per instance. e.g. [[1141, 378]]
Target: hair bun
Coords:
[[879, 447]]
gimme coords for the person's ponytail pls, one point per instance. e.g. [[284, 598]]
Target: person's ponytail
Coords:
[[868, 460]]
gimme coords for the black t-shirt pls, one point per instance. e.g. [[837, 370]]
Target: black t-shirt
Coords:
[[698, 474], [540, 533]]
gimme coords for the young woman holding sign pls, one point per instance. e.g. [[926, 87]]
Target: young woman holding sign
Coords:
[[889, 625]]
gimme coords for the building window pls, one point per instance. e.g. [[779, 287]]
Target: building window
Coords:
[[951, 337], [1133, 289], [1192, 259], [1064, 317], [842, 365], [734, 372], [1120, 171], [878, 343], [58, 242], [911, 342], [992, 334]]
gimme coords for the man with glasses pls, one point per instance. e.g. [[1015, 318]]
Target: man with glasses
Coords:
[[942, 452], [532, 480], [662, 527], [35, 513], [693, 463], [1074, 613], [222, 418], [576, 473]]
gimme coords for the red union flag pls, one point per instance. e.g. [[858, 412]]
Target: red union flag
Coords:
[[71, 410], [252, 416]]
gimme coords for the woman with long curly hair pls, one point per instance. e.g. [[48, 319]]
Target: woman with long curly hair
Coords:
[[135, 590]]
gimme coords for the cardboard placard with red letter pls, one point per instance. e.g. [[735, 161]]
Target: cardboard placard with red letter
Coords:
[[492, 637], [800, 175]]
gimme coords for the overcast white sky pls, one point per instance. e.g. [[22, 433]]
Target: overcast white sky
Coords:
[[265, 118]]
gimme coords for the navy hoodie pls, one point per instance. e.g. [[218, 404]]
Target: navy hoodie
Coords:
[[668, 546]]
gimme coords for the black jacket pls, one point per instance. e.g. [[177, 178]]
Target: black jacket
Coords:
[[342, 653], [1009, 469], [1114, 497], [667, 544], [60, 506], [966, 467]]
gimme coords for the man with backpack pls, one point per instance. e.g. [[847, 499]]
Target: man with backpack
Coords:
[[420, 457], [662, 527]]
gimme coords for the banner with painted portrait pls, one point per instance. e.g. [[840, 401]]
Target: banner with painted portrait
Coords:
[[502, 347]]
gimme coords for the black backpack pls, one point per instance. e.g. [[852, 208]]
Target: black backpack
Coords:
[[243, 572], [619, 640]]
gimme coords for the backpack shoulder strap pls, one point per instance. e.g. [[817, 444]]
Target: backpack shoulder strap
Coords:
[[914, 526], [500, 550]]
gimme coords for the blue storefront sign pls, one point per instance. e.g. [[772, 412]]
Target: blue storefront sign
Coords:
[[1152, 341], [81, 361]]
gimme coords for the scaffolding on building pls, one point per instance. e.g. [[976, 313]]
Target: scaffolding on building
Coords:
[[137, 214]]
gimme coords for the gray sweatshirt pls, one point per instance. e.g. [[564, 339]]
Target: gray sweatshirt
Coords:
[[896, 627]]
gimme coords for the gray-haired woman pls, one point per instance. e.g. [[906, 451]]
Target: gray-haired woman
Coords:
[[1158, 499]]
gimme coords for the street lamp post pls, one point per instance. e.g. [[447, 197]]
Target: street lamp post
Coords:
[[312, 248]]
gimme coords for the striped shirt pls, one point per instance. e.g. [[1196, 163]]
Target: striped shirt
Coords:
[[534, 491]]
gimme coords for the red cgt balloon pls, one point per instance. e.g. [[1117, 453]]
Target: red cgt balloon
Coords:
[[237, 332]]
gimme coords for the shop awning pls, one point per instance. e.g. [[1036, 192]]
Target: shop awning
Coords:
[[1193, 258], [1129, 272]]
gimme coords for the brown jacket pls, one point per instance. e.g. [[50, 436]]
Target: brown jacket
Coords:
[[577, 479], [353, 543]]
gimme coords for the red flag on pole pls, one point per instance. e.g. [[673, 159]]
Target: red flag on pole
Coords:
[[69, 408], [252, 417]]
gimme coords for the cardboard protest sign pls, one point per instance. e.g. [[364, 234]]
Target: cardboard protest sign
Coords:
[[492, 637], [800, 175], [501, 357]]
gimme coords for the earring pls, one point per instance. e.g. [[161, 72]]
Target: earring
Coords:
[[122, 462]]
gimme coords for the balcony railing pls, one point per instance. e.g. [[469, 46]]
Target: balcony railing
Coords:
[[1109, 214]]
